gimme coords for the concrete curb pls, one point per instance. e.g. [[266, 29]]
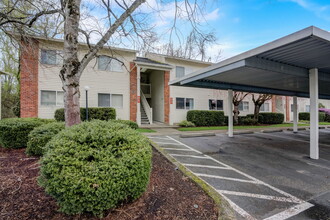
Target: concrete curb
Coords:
[[197, 135], [299, 129], [271, 131], [225, 211]]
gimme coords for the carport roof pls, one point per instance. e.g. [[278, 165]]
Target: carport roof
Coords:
[[280, 67]]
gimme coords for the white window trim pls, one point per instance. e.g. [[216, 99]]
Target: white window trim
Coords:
[[216, 105], [58, 52], [184, 102], [184, 72], [248, 104], [105, 93], [56, 97], [268, 107], [112, 71]]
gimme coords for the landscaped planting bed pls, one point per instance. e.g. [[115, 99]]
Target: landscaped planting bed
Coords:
[[169, 195]]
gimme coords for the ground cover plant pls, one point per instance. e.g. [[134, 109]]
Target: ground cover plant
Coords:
[[95, 166]]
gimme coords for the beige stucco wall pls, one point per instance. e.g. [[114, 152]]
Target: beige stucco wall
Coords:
[[98, 81]]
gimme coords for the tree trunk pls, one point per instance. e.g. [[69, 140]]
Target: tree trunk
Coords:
[[256, 112], [70, 74], [236, 113]]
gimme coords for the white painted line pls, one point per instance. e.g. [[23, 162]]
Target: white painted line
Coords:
[[317, 165], [238, 209], [246, 175], [193, 156], [205, 166], [257, 196], [177, 149], [226, 178], [288, 213], [167, 143]]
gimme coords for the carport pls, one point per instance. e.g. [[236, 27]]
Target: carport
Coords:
[[296, 65]]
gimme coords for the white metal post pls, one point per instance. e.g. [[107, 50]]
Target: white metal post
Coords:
[[314, 113], [138, 103], [230, 114], [295, 114]]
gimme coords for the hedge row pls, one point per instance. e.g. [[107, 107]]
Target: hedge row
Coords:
[[306, 116], [95, 166], [269, 118], [14, 131], [206, 118], [93, 113]]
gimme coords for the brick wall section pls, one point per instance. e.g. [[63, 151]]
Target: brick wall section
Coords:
[[287, 108], [133, 88], [166, 97], [274, 103], [29, 78]]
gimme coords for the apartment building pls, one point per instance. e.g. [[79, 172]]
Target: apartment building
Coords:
[[138, 87]]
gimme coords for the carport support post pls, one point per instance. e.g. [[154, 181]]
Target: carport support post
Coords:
[[295, 114], [230, 113], [314, 113]]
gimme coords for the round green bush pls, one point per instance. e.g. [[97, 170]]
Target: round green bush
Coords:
[[39, 137], [95, 166], [186, 123], [14, 131], [130, 123]]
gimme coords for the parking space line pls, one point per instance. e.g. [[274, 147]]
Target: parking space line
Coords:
[[183, 149], [226, 178], [258, 196], [193, 156], [295, 210], [206, 166]]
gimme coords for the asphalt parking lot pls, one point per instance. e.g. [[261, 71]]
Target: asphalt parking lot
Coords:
[[262, 175]]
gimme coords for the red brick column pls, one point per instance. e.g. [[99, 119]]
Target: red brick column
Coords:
[[274, 103], [133, 88], [29, 78], [166, 97], [287, 108]]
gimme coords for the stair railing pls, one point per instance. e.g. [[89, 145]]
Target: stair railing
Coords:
[[146, 107]]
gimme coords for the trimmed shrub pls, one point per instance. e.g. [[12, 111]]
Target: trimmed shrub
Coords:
[[206, 118], [186, 123], [327, 117], [93, 113], [14, 131], [40, 136], [305, 116], [131, 124], [248, 121], [269, 118], [95, 166]]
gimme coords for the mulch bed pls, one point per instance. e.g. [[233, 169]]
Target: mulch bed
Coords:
[[170, 195]]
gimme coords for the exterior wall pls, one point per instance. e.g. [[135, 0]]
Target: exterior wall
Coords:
[[157, 95], [99, 81], [29, 79], [166, 97]]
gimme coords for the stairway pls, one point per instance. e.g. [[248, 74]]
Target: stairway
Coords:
[[144, 117]]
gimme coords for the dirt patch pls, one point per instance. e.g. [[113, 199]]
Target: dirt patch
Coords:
[[170, 195]]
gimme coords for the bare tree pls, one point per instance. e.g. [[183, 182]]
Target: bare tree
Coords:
[[258, 102], [119, 24], [238, 97]]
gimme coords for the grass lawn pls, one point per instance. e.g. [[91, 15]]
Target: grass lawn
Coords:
[[145, 130], [241, 127]]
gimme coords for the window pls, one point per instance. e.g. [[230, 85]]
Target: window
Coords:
[[264, 107], [109, 64], [55, 98], [307, 108], [243, 106], [110, 100], [51, 57], [179, 71], [184, 103], [215, 104]]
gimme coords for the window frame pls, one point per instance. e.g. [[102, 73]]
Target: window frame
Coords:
[[176, 72], [110, 100], [185, 103], [243, 109], [216, 105], [58, 57], [56, 97], [264, 107], [111, 58]]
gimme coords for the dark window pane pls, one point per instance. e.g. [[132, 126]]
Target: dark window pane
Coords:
[[189, 103], [219, 104], [179, 103], [212, 104]]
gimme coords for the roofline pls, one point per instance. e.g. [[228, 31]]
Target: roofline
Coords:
[[304, 33], [180, 58], [79, 43], [154, 66]]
